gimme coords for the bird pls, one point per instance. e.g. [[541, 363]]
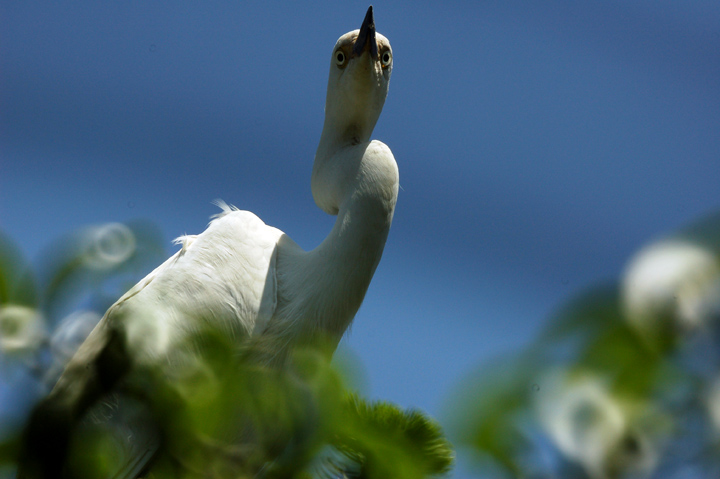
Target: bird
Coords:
[[245, 279]]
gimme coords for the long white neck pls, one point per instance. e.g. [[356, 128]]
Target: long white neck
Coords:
[[321, 290]]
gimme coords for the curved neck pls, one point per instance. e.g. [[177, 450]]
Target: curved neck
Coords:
[[346, 260], [323, 288], [338, 160]]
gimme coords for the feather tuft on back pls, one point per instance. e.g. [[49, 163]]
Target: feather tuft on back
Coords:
[[185, 241], [226, 209]]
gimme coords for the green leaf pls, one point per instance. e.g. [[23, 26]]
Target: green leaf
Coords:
[[17, 284], [390, 442], [487, 412]]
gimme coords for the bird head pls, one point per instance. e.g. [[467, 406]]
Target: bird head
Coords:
[[360, 69]]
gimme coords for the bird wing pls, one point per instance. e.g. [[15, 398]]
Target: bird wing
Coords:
[[224, 279]]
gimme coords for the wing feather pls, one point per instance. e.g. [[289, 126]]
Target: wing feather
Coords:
[[223, 278]]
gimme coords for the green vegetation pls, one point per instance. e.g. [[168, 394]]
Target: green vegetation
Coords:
[[623, 382], [212, 411]]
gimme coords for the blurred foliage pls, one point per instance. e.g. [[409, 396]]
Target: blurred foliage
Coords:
[[623, 382], [229, 417], [83, 271], [17, 286], [213, 413]]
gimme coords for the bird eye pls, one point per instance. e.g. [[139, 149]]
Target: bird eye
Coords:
[[339, 58], [386, 58]]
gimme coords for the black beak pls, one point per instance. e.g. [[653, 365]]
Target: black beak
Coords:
[[367, 36]]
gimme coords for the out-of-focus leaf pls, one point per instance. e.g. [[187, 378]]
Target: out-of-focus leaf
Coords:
[[390, 442], [488, 410], [22, 330], [619, 353], [605, 342], [583, 316], [17, 284], [78, 265], [226, 416], [704, 232]]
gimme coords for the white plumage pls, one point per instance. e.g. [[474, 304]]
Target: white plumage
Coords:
[[224, 279], [249, 280]]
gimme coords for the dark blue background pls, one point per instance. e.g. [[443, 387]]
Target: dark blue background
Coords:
[[539, 144]]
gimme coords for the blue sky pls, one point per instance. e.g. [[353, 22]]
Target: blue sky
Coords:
[[539, 145]]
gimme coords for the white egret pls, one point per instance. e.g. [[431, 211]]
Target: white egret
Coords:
[[244, 278]]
